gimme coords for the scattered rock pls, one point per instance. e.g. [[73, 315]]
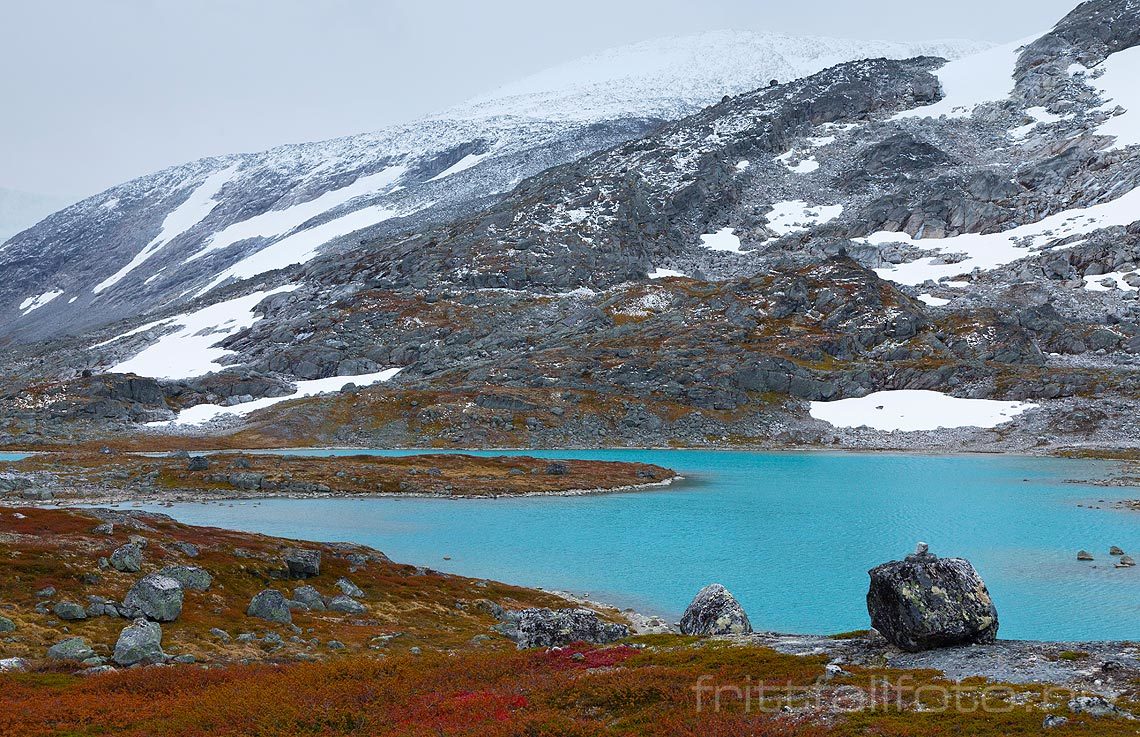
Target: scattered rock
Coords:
[[127, 559], [925, 602], [46, 592], [1054, 720], [348, 588], [1125, 562], [191, 577], [556, 628], [345, 604], [1084, 555], [1114, 550], [73, 648], [13, 665], [106, 528], [7, 625], [557, 468], [303, 563], [714, 611], [198, 463], [155, 597], [270, 605], [335, 645], [220, 634], [1094, 706], [69, 611], [190, 550], [310, 597], [140, 642]]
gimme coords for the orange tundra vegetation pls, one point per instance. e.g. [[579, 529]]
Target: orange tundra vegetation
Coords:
[[430, 676]]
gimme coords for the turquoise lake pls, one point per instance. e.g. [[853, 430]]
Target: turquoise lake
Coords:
[[791, 534]]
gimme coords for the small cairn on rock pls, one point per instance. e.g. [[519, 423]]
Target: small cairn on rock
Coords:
[[714, 611], [925, 602]]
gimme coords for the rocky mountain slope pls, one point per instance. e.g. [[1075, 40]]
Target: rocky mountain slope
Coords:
[[174, 236], [968, 228]]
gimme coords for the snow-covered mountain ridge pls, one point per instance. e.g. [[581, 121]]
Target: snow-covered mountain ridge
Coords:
[[170, 237]]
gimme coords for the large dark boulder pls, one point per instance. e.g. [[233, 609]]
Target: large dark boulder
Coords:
[[303, 563], [155, 597], [925, 602], [714, 611], [559, 627], [270, 605]]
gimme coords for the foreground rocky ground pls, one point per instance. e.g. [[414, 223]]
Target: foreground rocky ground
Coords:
[[274, 637], [103, 476]]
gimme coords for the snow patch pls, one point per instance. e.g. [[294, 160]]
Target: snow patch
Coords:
[[742, 165], [1093, 283], [972, 81], [794, 216], [933, 301], [192, 349], [994, 250], [466, 162], [722, 240], [202, 413], [1118, 87], [911, 410], [181, 219], [665, 273], [275, 223], [34, 303]]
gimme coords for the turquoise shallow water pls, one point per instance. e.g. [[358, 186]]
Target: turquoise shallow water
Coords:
[[791, 534]]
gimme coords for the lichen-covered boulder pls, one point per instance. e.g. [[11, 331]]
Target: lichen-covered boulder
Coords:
[[345, 605], [924, 602], [191, 577], [140, 642], [714, 611], [348, 588], [559, 627], [155, 597], [127, 559], [271, 606], [310, 597], [73, 648], [303, 563], [69, 611]]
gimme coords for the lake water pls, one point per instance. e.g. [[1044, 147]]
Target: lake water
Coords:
[[791, 534]]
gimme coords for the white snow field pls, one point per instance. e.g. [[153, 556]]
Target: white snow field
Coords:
[[1119, 85], [910, 410], [192, 349], [794, 216], [971, 81], [202, 413]]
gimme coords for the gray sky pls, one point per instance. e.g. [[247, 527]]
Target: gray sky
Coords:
[[96, 92]]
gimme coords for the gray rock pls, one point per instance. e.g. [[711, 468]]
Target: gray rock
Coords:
[[335, 645], [198, 463], [555, 628], [1115, 550], [270, 605], [140, 642], [1084, 555], [1054, 720], [127, 558], [1094, 706], [348, 588], [303, 563], [190, 550], [107, 528], [13, 665], [7, 625], [155, 597], [73, 648], [346, 605], [69, 611], [1125, 561], [220, 634], [191, 577], [714, 611], [46, 592], [925, 602], [310, 597]]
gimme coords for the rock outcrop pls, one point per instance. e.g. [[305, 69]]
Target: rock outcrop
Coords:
[[714, 611], [127, 559], [559, 627], [271, 606], [303, 563], [925, 602]]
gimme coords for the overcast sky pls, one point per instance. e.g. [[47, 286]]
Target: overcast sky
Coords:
[[95, 92]]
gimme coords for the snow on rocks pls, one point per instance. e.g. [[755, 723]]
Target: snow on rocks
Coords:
[[664, 273], [1111, 280], [191, 350], [202, 413], [972, 81], [1118, 88], [911, 410], [993, 250], [192, 211]]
